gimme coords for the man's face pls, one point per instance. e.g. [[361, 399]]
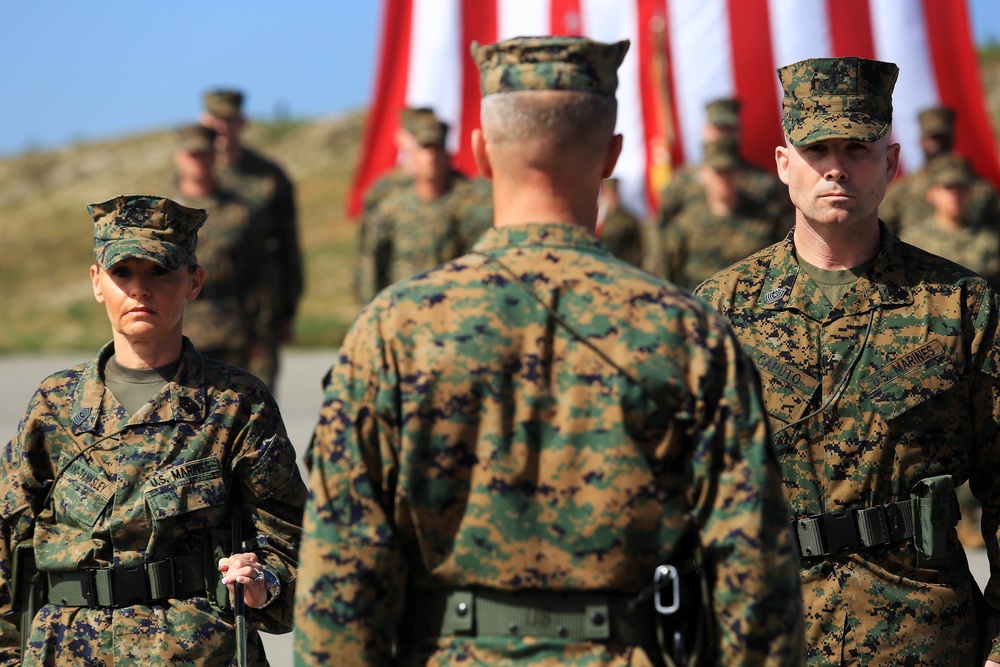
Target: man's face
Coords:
[[227, 130], [948, 201], [935, 145], [196, 166], [838, 182], [428, 162]]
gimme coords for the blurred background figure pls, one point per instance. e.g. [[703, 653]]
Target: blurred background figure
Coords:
[[226, 318], [906, 203], [422, 214], [721, 226], [948, 231], [761, 188], [617, 227], [263, 185]]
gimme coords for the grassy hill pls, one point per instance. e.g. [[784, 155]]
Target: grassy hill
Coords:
[[44, 288], [45, 293]]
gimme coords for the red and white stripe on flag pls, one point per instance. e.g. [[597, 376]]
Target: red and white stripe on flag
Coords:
[[684, 53]]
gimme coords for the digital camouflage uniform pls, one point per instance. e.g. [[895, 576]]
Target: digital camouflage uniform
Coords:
[[756, 185], [469, 440], [402, 235], [895, 384], [906, 202], [697, 242], [91, 487], [227, 316], [622, 233], [264, 185], [975, 247], [618, 228]]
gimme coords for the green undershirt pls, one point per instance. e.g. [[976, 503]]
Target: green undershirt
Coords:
[[835, 284], [134, 387]]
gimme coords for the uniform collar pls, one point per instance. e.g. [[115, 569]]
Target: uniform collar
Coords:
[[183, 399], [543, 233], [785, 287]]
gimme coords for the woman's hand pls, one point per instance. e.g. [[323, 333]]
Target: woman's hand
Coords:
[[247, 570]]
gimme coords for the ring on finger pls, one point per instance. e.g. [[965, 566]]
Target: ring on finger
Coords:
[[259, 576]]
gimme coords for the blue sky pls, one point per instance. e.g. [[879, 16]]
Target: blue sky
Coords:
[[79, 71]]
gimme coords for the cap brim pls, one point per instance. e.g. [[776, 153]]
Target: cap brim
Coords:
[[809, 129], [167, 255]]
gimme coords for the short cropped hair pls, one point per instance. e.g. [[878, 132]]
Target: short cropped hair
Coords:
[[567, 121]]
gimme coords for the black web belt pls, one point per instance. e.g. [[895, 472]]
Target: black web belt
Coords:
[[128, 585], [492, 613], [854, 529]]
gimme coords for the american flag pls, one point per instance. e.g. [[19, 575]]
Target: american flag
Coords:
[[683, 54]]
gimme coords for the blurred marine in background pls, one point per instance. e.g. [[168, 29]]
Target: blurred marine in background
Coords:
[[263, 185], [421, 214]]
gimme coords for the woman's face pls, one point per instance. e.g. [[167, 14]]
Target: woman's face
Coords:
[[145, 302]]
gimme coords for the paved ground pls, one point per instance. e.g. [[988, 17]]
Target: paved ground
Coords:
[[299, 396]]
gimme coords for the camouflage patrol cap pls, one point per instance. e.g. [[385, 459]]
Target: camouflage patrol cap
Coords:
[[722, 153], [224, 103], [196, 139], [723, 113], [949, 171], [837, 98], [549, 63], [147, 227], [936, 122], [426, 128]]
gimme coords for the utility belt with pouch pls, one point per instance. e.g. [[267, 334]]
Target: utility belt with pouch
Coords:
[[670, 619], [145, 583], [928, 516]]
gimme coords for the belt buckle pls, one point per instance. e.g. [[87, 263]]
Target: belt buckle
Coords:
[[840, 531], [129, 585], [895, 525], [666, 572]]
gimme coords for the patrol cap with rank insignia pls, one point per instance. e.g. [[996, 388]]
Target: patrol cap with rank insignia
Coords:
[[426, 128], [837, 98], [147, 227], [224, 103], [549, 63]]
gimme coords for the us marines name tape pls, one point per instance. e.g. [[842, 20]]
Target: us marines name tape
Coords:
[[185, 472]]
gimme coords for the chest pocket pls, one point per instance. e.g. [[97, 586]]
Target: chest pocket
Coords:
[[910, 380], [787, 390], [185, 488], [82, 494]]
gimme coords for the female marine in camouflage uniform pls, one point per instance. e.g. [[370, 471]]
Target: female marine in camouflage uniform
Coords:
[[122, 467]]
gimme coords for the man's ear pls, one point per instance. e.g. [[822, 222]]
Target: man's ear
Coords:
[[781, 162], [481, 154], [611, 156], [891, 162]]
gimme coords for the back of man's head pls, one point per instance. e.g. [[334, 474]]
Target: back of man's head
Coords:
[[549, 101]]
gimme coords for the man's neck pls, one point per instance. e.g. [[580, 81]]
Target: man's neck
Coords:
[[835, 249], [516, 202], [429, 189]]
